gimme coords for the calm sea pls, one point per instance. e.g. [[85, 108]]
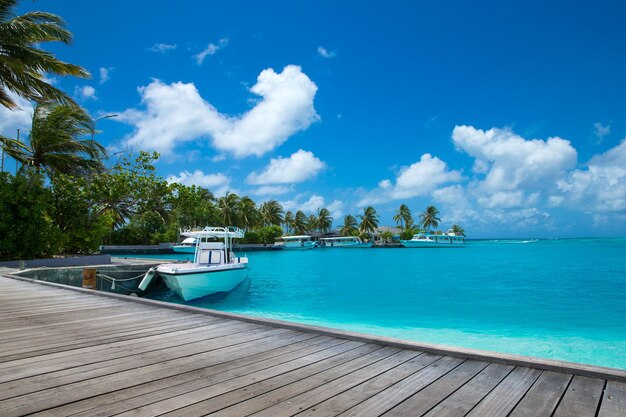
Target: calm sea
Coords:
[[560, 299]]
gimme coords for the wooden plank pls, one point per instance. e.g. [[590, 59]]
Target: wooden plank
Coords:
[[54, 334], [543, 396], [501, 400], [348, 399], [421, 402], [614, 400], [581, 398], [198, 342], [120, 379], [204, 400], [464, 399], [240, 362], [73, 343], [159, 346], [390, 397], [130, 340]]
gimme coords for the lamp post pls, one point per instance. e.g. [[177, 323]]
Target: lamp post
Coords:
[[93, 124]]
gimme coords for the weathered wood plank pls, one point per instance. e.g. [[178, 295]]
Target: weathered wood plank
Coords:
[[506, 395], [205, 400], [581, 398], [241, 361], [59, 395], [188, 343], [429, 397], [348, 399], [614, 400], [543, 396], [465, 398], [397, 393]]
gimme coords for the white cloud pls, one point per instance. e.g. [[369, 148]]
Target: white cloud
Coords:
[[418, 179], [601, 187], [385, 184], [300, 166], [336, 208], [105, 74], [211, 49], [325, 52], [510, 161], [272, 190], [217, 183], [20, 118], [162, 47], [601, 131], [309, 206], [86, 92], [176, 113]]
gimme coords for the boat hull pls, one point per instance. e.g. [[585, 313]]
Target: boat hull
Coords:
[[201, 282], [298, 245], [184, 249], [430, 244], [348, 246]]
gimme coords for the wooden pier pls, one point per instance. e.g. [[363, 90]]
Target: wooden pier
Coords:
[[65, 352]]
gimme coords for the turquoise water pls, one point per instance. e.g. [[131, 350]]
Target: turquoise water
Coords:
[[558, 299]]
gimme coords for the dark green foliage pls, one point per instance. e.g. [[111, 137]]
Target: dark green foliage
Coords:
[[72, 211], [407, 234], [26, 229]]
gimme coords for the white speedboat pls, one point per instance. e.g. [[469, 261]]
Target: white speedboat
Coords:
[[215, 268], [343, 242], [432, 240], [294, 243], [186, 246]]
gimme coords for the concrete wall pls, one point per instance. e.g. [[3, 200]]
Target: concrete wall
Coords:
[[60, 262], [74, 276]]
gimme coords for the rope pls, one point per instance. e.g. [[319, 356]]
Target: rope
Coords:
[[113, 281]]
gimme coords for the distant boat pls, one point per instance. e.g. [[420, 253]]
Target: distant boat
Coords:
[[186, 246], [343, 242], [215, 268], [432, 240], [294, 243]]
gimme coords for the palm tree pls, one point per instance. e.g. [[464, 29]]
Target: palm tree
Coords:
[[403, 214], [23, 65], [271, 213], [54, 145], [429, 218], [369, 220], [227, 207], [324, 220], [349, 225], [458, 230], [248, 215], [312, 223], [289, 219], [300, 223]]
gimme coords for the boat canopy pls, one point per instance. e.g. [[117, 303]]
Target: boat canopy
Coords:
[[303, 237], [340, 238], [217, 232]]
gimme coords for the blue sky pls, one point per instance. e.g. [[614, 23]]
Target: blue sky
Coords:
[[508, 117]]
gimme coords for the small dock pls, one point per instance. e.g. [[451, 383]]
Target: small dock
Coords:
[[81, 353]]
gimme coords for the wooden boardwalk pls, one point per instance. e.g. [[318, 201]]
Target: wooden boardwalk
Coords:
[[67, 353]]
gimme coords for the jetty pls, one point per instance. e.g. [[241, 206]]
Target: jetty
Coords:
[[71, 351]]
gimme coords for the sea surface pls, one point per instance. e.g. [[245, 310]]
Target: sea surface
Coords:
[[559, 299]]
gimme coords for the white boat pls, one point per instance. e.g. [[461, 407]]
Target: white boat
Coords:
[[432, 240], [215, 268], [294, 243], [186, 246], [343, 242]]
